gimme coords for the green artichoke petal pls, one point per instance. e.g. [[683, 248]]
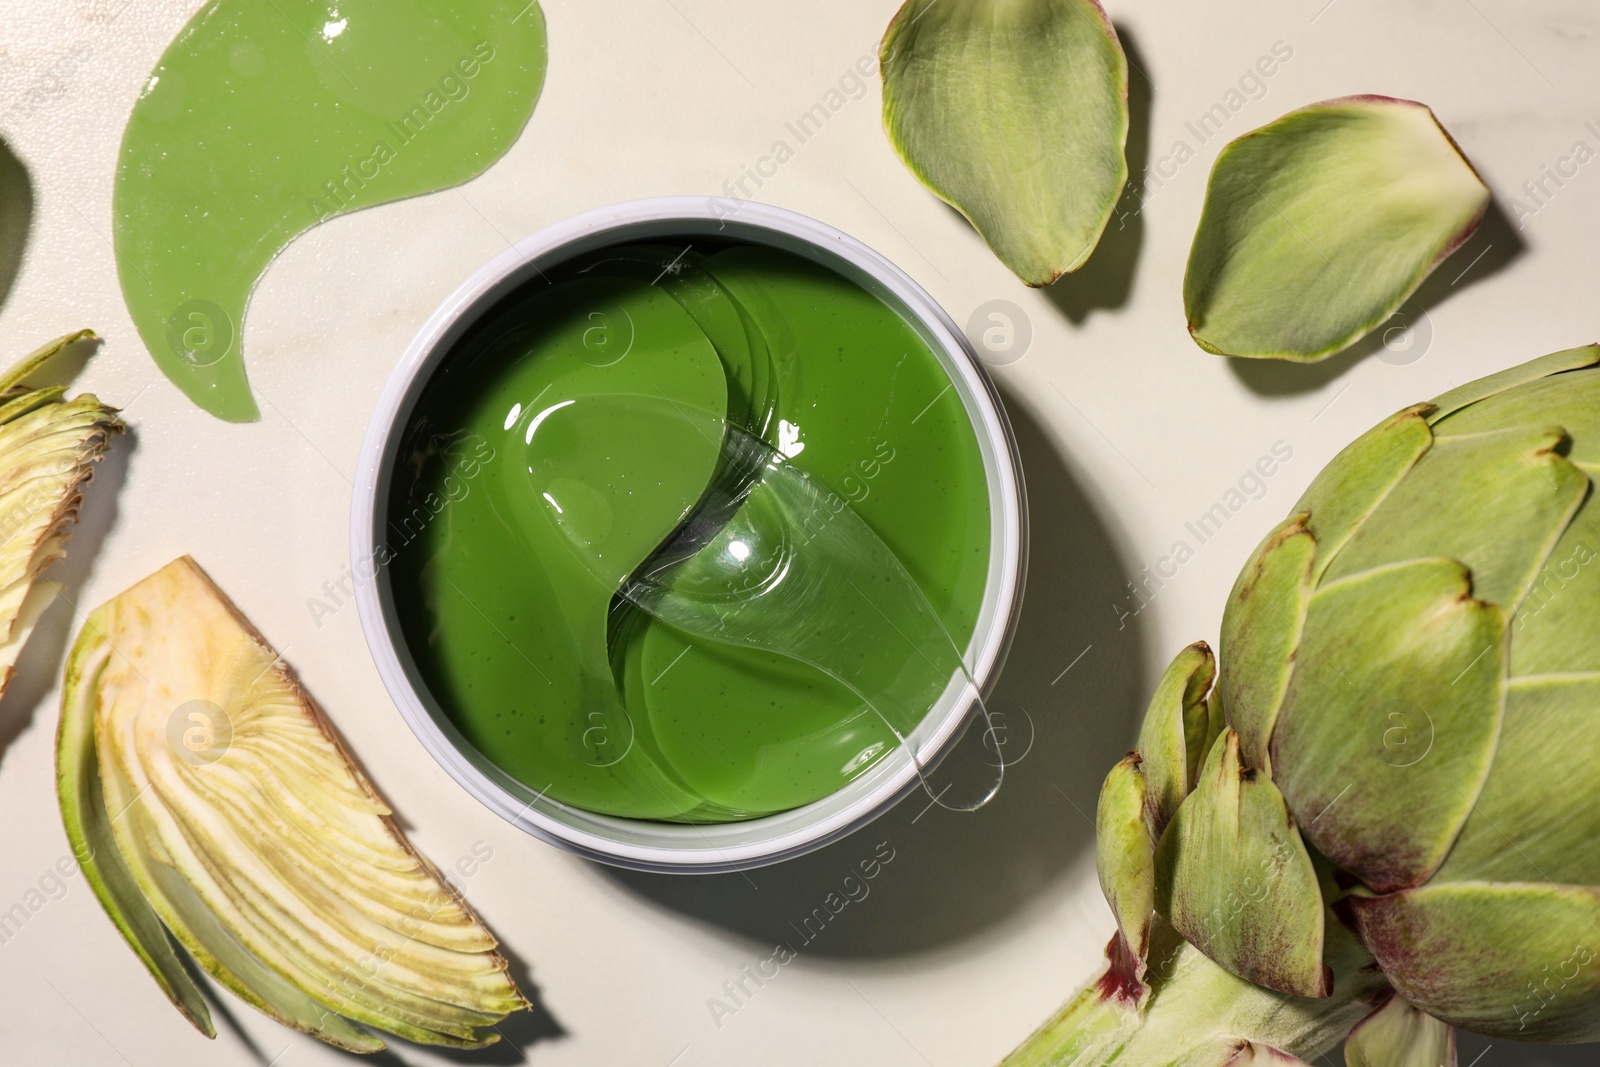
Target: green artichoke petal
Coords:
[[1396, 1034], [1172, 740], [1539, 791], [1125, 856], [1350, 488], [1570, 400], [1260, 633], [1015, 114], [1516, 961], [1234, 878], [1462, 397], [1388, 727], [1551, 626], [19, 372], [1496, 501], [1318, 226], [1552, 631], [89, 830]]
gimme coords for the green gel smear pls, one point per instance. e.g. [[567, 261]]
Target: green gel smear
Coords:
[[716, 732], [263, 119]]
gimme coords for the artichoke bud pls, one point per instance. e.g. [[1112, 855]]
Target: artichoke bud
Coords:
[[1410, 669], [1409, 677], [1173, 738], [1140, 796], [1125, 860]]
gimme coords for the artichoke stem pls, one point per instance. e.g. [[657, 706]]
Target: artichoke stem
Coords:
[[1196, 1013]]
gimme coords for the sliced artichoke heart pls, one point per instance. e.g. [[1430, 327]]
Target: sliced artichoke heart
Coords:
[[48, 448], [261, 846]]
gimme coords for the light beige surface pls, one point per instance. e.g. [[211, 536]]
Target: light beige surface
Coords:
[[978, 926]]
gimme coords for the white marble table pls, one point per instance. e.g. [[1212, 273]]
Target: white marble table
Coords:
[[977, 927]]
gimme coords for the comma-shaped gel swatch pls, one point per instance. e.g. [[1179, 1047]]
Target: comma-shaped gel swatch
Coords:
[[263, 119]]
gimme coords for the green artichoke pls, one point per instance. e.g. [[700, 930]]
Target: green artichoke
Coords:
[[1380, 814]]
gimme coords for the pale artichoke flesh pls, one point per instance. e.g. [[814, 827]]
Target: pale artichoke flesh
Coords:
[[238, 820], [48, 448]]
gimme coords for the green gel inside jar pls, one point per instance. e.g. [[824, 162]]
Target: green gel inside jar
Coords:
[[524, 648]]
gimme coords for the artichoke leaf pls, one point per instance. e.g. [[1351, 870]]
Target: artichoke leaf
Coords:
[[1549, 737], [1519, 961], [1551, 631], [201, 733], [1396, 1034], [1517, 475], [1234, 878], [1125, 861], [1252, 1054], [1217, 721], [1388, 728], [1015, 112], [35, 602], [1466, 396], [36, 359], [1172, 739], [1571, 401], [1348, 490], [88, 827], [1319, 225], [1261, 626], [19, 402]]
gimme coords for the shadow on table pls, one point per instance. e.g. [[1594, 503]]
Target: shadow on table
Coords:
[[1497, 1053], [518, 1033], [16, 219], [952, 875]]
